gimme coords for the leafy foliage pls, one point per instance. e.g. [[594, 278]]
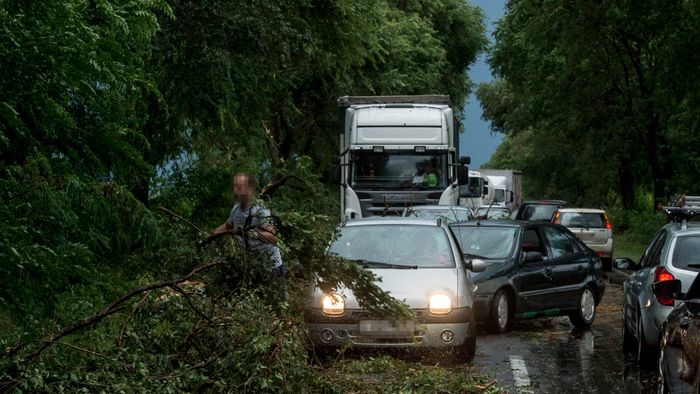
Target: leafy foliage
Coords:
[[601, 88], [112, 109]]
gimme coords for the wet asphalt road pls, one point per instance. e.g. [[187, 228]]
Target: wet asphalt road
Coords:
[[550, 356]]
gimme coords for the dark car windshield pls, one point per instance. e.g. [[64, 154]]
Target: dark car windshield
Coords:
[[408, 245], [686, 253], [486, 242], [537, 212], [582, 219]]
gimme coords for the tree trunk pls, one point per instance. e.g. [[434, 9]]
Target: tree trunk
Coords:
[[626, 186]]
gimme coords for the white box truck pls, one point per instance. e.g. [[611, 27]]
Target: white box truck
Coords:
[[397, 152], [504, 188]]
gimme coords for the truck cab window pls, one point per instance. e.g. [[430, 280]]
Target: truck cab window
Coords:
[[399, 170]]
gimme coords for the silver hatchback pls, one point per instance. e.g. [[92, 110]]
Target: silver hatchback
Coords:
[[419, 262], [592, 227], [674, 253]]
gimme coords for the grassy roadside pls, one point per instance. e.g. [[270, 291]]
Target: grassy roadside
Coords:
[[386, 374], [628, 245]]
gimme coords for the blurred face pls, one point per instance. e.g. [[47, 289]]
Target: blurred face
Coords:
[[241, 189]]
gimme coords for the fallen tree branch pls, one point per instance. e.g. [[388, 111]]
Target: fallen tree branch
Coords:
[[173, 214], [271, 187], [112, 308]]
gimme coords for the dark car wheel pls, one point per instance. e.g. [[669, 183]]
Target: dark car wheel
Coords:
[[501, 316], [465, 352], [645, 353], [584, 315], [629, 342]]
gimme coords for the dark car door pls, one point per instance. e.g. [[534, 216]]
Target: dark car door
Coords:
[[533, 281], [569, 265]]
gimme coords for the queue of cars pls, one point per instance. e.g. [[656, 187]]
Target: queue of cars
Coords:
[[456, 269]]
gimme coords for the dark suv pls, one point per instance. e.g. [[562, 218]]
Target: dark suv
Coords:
[[540, 210]]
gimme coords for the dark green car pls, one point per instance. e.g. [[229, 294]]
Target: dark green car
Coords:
[[533, 269]]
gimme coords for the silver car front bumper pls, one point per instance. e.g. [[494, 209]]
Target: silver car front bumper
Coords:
[[424, 334]]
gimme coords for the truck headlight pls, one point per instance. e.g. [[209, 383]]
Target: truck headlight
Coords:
[[440, 304], [333, 304]]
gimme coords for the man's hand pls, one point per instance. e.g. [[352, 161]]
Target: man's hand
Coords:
[[252, 234]]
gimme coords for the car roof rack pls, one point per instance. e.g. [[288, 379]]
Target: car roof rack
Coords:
[[682, 208]]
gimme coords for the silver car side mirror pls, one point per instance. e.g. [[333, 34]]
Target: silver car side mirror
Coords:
[[475, 265]]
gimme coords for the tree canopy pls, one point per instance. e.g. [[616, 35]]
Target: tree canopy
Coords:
[[121, 122], [607, 90]]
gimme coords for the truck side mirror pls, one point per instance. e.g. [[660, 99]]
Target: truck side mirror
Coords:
[[462, 175], [465, 160], [510, 199]]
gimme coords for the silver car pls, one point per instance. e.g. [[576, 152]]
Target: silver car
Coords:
[[419, 262], [674, 253], [592, 227]]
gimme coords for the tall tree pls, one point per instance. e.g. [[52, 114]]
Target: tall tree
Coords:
[[607, 76]]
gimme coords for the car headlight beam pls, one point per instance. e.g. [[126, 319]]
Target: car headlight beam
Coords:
[[333, 304], [440, 304]]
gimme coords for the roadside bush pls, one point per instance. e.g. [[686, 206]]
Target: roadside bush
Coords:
[[639, 224]]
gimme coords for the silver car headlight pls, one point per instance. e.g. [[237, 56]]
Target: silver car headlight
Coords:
[[440, 304], [333, 304]]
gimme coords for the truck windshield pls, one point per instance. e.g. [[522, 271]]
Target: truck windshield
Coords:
[[499, 195], [399, 170]]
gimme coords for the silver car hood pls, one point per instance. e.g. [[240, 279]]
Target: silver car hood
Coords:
[[413, 286]]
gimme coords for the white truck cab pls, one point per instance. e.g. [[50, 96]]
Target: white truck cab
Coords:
[[396, 152]]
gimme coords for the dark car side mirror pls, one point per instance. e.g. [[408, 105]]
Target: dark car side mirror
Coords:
[[667, 291], [625, 264], [475, 265], [533, 257]]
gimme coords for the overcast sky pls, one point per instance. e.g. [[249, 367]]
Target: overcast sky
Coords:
[[477, 140]]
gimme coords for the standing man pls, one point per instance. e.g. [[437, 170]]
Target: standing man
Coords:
[[250, 222]]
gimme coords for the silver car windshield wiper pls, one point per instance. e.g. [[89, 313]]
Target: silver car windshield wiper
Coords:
[[376, 264]]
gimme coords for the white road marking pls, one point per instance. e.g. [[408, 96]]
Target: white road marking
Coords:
[[520, 375]]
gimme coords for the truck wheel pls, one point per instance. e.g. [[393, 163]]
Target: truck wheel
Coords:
[[585, 313], [501, 316]]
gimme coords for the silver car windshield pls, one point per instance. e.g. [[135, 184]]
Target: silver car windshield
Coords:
[[493, 243], [686, 253], [376, 246]]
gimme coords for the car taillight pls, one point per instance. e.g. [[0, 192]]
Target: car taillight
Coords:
[[556, 217], [607, 221], [662, 275]]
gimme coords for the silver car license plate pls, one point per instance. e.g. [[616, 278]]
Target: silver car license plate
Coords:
[[387, 327]]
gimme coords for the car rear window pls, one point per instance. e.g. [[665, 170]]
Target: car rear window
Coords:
[[686, 253], [582, 219]]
